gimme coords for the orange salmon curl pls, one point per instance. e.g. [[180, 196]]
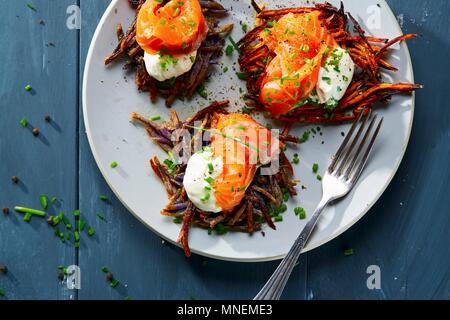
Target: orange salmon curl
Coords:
[[176, 27], [301, 43], [244, 145]]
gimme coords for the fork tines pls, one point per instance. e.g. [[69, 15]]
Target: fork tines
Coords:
[[353, 153]]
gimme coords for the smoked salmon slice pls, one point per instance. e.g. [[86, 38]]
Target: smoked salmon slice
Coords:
[[244, 145], [301, 42], [175, 27]]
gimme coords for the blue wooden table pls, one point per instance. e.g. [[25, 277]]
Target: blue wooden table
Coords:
[[406, 234]]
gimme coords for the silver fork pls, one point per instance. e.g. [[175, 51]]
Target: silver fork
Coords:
[[341, 176]]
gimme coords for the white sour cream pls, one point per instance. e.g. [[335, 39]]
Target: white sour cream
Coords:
[[195, 180], [163, 67], [335, 76]]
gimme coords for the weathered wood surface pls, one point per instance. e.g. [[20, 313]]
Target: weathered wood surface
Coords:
[[38, 50], [406, 234]]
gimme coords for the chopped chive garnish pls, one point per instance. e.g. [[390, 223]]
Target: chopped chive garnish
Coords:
[[103, 198], [271, 23], [56, 220], [327, 79], [209, 231], [101, 217], [114, 283], [178, 220], [155, 118], [210, 168], [91, 231], [81, 224], [209, 180], [296, 159], [300, 212], [27, 217], [30, 6], [229, 50], [206, 197], [305, 48], [28, 88], [225, 69], [34, 212], [315, 167], [168, 162], [242, 75], [348, 252], [319, 177], [235, 45], [202, 91], [221, 229], [208, 188], [114, 164], [43, 199], [172, 157], [287, 78], [246, 110], [278, 218], [65, 220], [76, 235], [24, 122], [54, 200], [58, 233], [244, 28], [76, 213], [282, 208], [105, 269], [305, 136]]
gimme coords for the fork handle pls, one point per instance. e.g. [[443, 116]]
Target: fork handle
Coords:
[[274, 287]]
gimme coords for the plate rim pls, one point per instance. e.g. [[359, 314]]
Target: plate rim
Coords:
[[323, 241]]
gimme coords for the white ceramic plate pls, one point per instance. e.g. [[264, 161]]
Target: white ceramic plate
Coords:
[[108, 99]]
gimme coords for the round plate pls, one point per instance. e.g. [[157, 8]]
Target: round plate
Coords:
[[110, 95]]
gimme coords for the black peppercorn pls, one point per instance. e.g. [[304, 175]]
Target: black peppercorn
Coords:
[[109, 276], [3, 269]]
